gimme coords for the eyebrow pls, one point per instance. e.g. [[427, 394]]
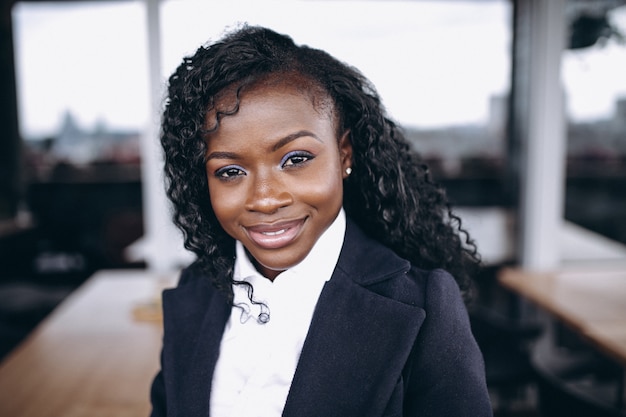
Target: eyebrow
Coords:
[[279, 144], [290, 138], [222, 155]]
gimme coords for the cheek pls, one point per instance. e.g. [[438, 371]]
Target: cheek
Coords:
[[323, 191], [225, 203]]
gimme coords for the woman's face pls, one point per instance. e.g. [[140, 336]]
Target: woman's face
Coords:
[[275, 173]]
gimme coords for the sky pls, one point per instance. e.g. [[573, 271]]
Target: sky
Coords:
[[433, 63]]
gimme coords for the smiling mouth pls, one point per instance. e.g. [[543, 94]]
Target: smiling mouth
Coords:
[[275, 236]]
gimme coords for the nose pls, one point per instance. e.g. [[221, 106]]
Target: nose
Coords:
[[267, 194]]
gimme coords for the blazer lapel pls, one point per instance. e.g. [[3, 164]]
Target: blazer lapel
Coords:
[[359, 340], [197, 316]]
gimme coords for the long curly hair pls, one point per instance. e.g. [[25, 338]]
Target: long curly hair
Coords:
[[389, 194]]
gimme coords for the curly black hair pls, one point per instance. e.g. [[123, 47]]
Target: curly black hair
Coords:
[[389, 194]]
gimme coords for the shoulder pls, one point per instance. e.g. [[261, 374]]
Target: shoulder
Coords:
[[192, 275], [444, 373], [437, 287], [445, 355], [193, 279], [447, 321], [191, 296]]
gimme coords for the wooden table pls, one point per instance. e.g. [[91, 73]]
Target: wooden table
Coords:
[[91, 357], [589, 300]]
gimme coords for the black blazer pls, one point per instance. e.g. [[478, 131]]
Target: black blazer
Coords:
[[386, 339]]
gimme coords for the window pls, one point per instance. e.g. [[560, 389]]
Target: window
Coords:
[[81, 76], [595, 91]]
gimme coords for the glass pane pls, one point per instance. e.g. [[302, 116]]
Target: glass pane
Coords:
[[595, 88], [81, 76]]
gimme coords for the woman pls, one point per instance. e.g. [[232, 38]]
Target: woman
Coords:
[[324, 283]]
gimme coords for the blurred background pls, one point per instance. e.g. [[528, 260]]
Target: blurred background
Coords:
[[82, 84]]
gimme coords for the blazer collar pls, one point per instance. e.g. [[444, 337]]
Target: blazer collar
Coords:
[[358, 342]]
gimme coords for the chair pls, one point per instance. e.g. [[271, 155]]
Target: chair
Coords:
[[504, 343], [560, 398], [504, 338], [575, 384]]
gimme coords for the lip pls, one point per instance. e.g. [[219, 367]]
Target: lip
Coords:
[[275, 235]]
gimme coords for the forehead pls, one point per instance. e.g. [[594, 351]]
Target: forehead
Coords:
[[229, 101], [268, 116]]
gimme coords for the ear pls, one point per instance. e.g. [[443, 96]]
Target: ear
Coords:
[[345, 153]]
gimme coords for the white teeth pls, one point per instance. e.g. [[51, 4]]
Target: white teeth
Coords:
[[279, 232]]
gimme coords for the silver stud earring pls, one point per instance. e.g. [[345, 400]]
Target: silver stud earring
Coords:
[[348, 171]]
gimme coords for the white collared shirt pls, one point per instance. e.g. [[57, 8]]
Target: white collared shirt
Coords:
[[257, 361]]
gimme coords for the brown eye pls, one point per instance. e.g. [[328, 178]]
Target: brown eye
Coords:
[[229, 172], [296, 158]]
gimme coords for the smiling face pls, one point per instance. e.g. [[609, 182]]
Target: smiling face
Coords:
[[275, 173]]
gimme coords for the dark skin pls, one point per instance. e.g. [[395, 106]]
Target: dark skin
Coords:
[[275, 173]]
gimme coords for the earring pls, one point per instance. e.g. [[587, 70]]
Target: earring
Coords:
[[348, 171]]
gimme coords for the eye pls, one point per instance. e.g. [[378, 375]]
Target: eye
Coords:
[[229, 172], [296, 158]]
